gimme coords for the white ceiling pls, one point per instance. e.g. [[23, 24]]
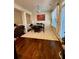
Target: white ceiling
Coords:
[[34, 5]]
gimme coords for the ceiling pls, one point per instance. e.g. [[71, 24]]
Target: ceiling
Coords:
[[37, 5]]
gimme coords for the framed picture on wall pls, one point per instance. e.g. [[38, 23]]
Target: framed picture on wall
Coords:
[[41, 17]]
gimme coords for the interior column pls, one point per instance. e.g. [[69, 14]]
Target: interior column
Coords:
[[24, 20]]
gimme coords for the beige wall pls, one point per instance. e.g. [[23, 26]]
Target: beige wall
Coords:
[[17, 17], [24, 11]]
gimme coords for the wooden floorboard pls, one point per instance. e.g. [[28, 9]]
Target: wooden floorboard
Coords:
[[37, 49]]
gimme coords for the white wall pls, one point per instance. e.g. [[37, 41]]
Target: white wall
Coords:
[[21, 8], [47, 18]]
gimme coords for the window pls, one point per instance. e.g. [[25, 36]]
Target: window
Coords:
[[62, 30], [54, 18]]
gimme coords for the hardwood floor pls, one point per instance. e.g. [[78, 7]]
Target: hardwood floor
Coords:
[[37, 49]]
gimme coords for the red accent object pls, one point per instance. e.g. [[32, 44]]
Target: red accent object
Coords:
[[41, 17]]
